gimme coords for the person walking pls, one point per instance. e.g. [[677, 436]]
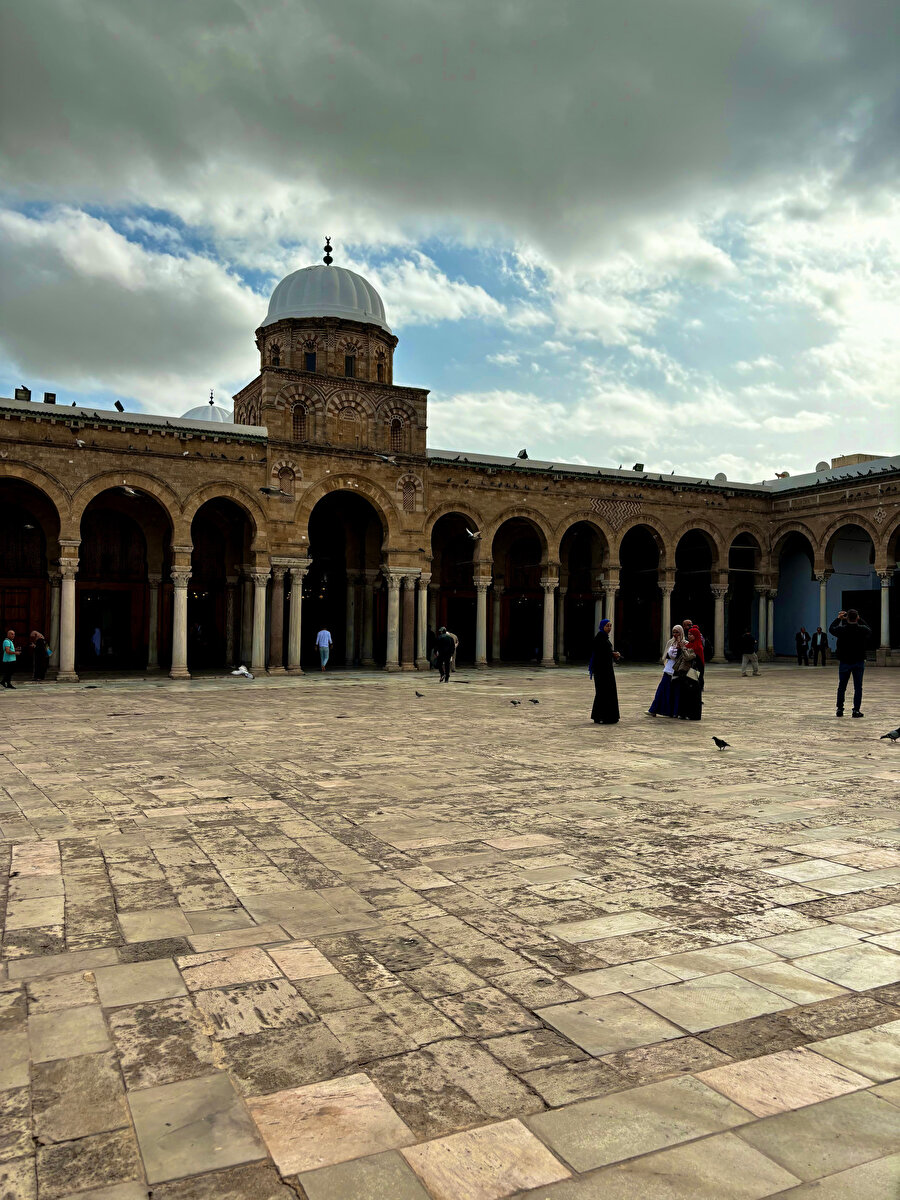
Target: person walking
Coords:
[[852, 636], [665, 702], [819, 646], [749, 656], [10, 654], [802, 640], [444, 648], [40, 656], [323, 641], [450, 633], [606, 697], [690, 670]]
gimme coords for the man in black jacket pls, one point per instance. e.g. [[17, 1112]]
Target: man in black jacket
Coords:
[[819, 646], [852, 636]]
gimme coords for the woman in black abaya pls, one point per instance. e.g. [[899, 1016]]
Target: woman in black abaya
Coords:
[[606, 698]]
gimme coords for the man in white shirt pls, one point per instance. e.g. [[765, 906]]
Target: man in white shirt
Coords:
[[323, 641]]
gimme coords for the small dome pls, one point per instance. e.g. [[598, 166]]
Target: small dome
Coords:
[[326, 291], [209, 412]]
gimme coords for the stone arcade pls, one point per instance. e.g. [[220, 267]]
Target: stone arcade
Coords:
[[140, 542]]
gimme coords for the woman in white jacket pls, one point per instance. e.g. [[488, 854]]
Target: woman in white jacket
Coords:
[[665, 702]]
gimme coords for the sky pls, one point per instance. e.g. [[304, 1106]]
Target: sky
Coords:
[[651, 232]]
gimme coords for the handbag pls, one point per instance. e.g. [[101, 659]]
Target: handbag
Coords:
[[683, 662], [693, 674]]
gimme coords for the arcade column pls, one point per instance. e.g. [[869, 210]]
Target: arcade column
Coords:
[[276, 626], [422, 621], [482, 583], [549, 586], [180, 578], [68, 569]]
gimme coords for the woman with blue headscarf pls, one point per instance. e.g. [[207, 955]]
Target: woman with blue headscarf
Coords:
[[600, 668]]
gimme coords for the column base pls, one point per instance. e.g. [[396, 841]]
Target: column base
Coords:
[[369, 662], [179, 673], [548, 662], [421, 664], [392, 666], [277, 671], [298, 670], [718, 658], [66, 677], [408, 666], [882, 656], [481, 666]]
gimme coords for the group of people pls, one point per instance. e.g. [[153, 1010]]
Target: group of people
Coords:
[[818, 642], [40, 657], [680, 691]]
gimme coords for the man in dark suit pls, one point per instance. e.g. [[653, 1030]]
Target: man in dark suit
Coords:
[[819, 646]]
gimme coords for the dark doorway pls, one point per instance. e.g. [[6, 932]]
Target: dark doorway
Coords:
[[109, 635], [636, 632]]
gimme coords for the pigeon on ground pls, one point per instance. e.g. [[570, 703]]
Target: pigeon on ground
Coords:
[[720, 743], [421, 695], [515, 703], [894, 735], [534, 701], [242, 670]]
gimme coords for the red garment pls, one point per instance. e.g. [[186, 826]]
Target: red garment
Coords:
[[695, 643]]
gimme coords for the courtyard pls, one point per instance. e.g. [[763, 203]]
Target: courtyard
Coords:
[[323, 937]]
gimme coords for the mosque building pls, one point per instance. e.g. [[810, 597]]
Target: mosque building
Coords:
[[149, 543]]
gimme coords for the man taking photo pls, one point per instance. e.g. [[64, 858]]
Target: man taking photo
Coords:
[[852, 636]]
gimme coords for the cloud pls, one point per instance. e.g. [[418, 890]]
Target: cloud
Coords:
[[503, 360], [83, 305], [244, 116], [416, 292]]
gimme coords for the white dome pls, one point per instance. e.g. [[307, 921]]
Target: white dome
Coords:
[[325, 291], [209, 412]]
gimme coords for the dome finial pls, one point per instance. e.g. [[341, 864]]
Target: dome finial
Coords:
[[328, 258], [211, 397]]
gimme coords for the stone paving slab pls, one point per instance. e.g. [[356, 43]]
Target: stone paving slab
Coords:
[[448, 946]]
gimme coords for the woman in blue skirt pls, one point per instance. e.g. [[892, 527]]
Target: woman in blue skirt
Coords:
[[665, 702]]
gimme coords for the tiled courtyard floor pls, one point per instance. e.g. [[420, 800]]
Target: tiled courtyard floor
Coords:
[[319, 937]]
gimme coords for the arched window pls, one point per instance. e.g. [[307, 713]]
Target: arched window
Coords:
[[286, 480], [348, 426], [409, 497], [299, 422], [396, 435], [379, 370], [275, 355]]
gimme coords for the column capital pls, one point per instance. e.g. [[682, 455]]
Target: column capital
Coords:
[[231, 581], [668, 588], [55, 579], [548, 583], [822, 576], [278, 572], [761, 589], [482, 582], [885, 577], [69, 544], [260, 578], [154, 580], [719, 590], [424, 579], [181, 576], [394, 579], [68, 568], [409, 580]]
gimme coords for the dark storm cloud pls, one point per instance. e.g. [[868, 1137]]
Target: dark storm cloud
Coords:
[[556, 123]]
